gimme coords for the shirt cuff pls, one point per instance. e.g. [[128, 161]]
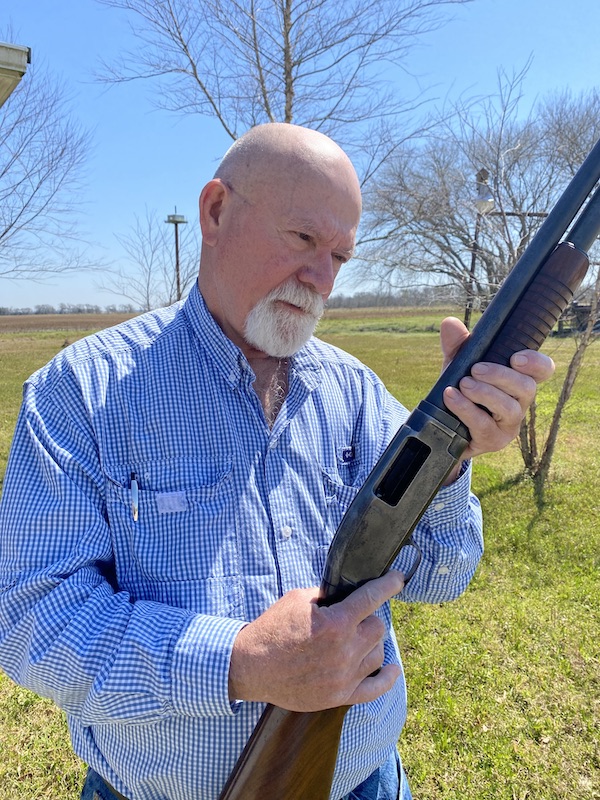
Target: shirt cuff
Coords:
[[200, 667]]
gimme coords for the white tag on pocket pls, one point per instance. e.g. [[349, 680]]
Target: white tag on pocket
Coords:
[[171, 502]]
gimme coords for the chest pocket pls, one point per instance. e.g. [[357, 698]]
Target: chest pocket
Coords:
[[183, 548]]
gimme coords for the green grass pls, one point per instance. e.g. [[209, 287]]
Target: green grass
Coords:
[[37, 761], [504, 683]]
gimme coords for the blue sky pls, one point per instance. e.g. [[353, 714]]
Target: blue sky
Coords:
[[144, 158]]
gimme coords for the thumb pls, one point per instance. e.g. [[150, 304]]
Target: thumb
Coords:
[[452, 335]]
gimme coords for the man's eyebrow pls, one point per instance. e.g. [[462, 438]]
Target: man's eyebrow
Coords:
[[347, 251], [308, 226]]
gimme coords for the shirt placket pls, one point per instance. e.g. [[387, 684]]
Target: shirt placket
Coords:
[[282, 507], [281, 491]]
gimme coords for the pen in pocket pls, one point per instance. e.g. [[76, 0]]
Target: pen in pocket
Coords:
[[135, 496]]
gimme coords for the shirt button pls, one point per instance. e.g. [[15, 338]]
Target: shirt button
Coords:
[[286, 531], [438, 506], [443, 570]]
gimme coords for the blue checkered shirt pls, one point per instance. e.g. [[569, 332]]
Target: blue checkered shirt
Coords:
[[128, 624]]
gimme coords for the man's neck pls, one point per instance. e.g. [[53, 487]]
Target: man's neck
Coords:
[[271, 384]]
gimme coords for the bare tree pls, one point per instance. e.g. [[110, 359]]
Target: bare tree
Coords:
[[572, 125], [424, 223], [319, 63], [536, 451], [422, 215], [42, 155], [148, 280]]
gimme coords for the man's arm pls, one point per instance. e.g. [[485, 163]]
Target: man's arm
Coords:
[[276, 658], [492, 405], [66, 630]]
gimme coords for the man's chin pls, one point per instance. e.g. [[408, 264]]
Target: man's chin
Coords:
[[283, 348], [279, 335]]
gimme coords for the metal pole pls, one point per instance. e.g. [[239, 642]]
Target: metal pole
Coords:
[[176, 220], [177, 275], [471, 284]]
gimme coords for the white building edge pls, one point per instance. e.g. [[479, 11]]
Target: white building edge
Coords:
[[13, 63]]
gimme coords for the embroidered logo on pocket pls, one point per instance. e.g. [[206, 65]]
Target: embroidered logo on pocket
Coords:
[[348, 455]]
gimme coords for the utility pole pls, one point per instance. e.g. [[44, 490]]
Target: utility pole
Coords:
[[177, 220]]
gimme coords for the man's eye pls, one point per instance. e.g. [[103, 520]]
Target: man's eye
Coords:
[[306, 237]]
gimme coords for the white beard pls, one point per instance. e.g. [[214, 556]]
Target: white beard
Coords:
[[278, 331]]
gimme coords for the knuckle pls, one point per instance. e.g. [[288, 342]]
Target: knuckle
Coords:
[[486, 426], [330, 627], [373, 627]]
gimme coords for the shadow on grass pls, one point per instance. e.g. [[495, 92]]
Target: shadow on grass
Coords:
[[495, 489]]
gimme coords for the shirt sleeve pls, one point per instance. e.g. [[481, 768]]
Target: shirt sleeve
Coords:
[[66, 631], [449, 536]]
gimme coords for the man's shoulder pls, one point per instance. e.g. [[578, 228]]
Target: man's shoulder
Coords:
[[339, 364], [330, 356], [123, 342]]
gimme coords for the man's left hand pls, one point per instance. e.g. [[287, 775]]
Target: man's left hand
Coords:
[[506, 392]]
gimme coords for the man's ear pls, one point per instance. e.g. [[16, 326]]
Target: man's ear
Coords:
[[212, 201]]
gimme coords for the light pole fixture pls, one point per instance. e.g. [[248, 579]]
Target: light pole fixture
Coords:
[[484, 204], [177, 220]]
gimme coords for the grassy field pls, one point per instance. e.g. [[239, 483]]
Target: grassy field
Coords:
[[504, 683]]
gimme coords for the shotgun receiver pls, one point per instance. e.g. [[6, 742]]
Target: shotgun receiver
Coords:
[[292, 755]]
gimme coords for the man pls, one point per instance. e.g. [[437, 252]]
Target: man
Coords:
[[174, 484]]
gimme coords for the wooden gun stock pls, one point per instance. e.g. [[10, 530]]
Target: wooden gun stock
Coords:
[[292, 755]]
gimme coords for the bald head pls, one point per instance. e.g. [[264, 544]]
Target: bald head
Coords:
[[279, 152]]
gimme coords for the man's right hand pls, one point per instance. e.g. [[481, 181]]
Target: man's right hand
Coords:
[[303, 657]]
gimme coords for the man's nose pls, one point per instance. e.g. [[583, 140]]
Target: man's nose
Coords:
[[320, 271]]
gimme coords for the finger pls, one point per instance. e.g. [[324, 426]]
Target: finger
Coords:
[[538, 366], [372, 660], [372, 630], [452, 335], [495, 387], [375, 685], [491, 430], [365, 600], [479, 420]]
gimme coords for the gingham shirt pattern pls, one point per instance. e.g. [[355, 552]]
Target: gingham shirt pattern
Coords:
[[128, 625]]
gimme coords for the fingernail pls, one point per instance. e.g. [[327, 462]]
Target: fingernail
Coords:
[[480, 369], [451, 393], [519, 360], [467, 383]]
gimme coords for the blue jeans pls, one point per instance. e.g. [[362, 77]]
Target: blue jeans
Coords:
[[386, 783], [95, 788]]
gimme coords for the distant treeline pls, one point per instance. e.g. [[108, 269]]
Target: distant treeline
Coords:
[[426, 296], [68, 308]]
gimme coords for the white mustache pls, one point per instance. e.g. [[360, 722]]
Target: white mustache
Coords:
[[295, 294]]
